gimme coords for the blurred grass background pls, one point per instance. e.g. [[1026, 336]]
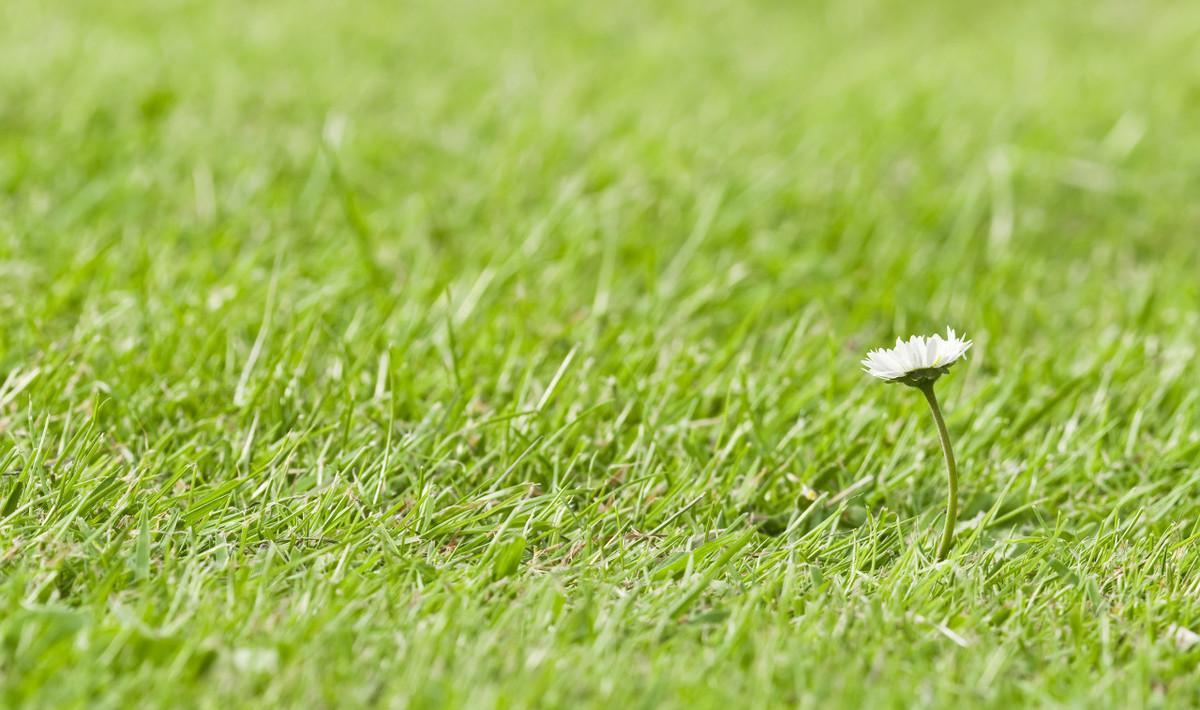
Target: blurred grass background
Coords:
[[402, 353]]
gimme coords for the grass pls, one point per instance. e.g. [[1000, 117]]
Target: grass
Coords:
[[482, 354]]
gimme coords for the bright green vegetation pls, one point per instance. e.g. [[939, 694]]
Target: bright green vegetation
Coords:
[[481, 354]]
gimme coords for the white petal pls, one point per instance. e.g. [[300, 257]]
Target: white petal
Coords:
[[917, 353]]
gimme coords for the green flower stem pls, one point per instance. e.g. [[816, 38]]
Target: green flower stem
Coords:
[[951, 471]]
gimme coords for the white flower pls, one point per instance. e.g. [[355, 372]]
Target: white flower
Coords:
[[920, 359]]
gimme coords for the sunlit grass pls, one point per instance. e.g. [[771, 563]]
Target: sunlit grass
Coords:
[[500, 355]]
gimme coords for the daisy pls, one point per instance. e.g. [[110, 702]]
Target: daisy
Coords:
[[920, 359], [919, 363]]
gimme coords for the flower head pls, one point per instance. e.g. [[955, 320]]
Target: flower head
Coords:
[[918, 360]]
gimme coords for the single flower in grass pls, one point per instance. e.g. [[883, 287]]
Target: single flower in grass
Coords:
[[919, 362]]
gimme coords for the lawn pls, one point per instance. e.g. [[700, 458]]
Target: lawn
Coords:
[[494, 354]]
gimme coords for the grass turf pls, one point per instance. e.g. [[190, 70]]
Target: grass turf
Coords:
[[493, 354]]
